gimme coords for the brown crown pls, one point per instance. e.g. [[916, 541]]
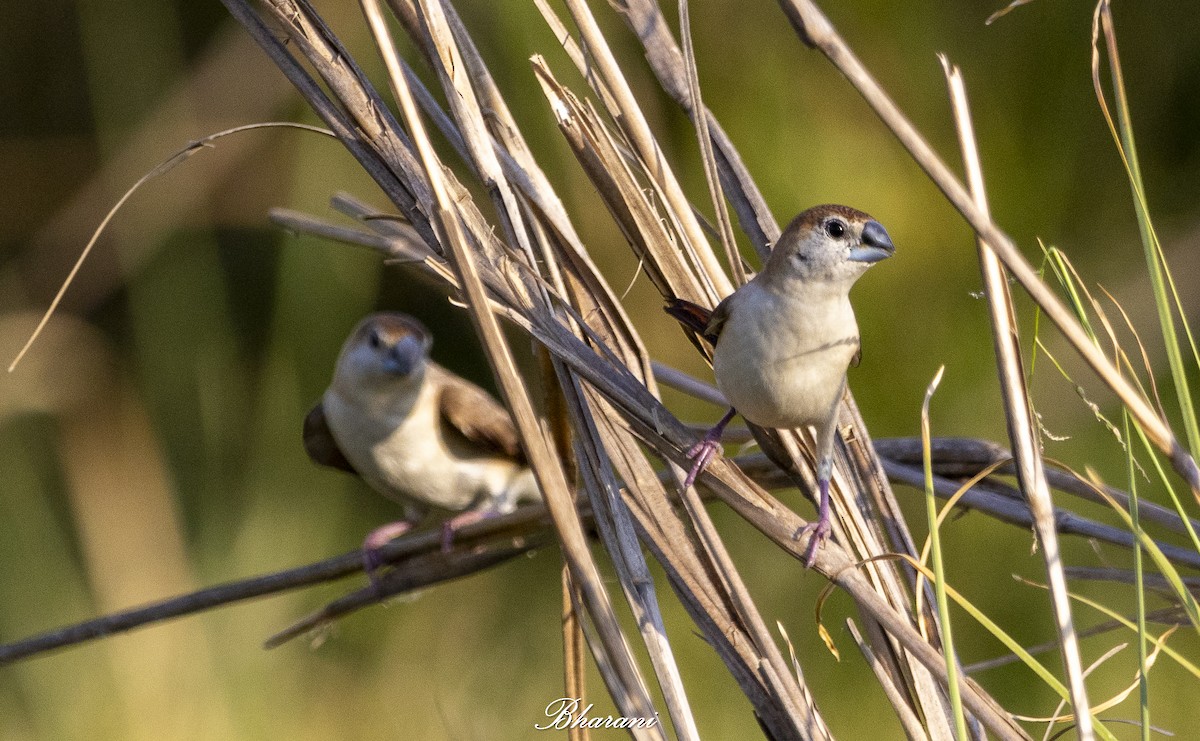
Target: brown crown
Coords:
[[391, 326], [817, 214]]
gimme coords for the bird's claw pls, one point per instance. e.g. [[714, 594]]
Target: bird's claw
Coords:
[[820, 533], [461, 520], [821, 527], [700, 454], [375, 540]]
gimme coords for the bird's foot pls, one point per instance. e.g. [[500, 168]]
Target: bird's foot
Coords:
[[375, 540], [700, 455], [461, 520], [703, 452], [820, 533], [819, 529]]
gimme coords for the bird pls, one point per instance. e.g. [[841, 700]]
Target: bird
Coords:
[[417, 433], [781, 343]]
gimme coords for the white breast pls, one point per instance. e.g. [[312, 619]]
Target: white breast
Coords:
[[780, 359], [402, 453]]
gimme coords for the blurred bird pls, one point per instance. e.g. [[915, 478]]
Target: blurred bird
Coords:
[[782, 342], [416, 433]]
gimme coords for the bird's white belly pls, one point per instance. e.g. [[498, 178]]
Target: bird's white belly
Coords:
[[793, 379], [408, 460], [427, 472], [782, 394]]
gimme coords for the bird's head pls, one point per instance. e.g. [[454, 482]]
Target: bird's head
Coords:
[[385, 348], [834, 244]]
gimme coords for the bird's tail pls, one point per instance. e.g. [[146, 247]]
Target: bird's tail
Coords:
[[693, 316], [696, 318]]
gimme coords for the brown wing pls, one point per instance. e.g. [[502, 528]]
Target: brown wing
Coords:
[[320, 444], [473, 413]]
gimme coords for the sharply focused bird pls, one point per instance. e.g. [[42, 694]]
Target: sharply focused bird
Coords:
[[416, 432], [783, 341]]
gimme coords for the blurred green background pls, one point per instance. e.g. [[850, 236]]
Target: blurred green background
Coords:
[[149, 444]]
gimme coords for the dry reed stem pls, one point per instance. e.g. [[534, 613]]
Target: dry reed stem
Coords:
[[670, 275], [1022, 431], [618, 534], [574, 666], [645, 230], [651, 29], [635, 127], [621, 540], [707, 157], [909, 721]]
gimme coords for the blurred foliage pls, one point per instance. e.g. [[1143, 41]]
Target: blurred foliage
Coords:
[[149, 445]]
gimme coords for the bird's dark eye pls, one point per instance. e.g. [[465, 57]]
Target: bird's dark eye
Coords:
[[375, 340], [835, 228]]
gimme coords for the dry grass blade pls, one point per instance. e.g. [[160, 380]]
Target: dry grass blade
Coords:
[[663, 432], [651, 29], [816, 30], [653, 242], [617, 531], [908, 719], [711, 174], [501, 124], [574, 668], [729, 587], [661, 262], [160, 169], [645, 229], [634, 126], [1019, 411], [861, 471], [1005, 11], [460, 92], [621, 540]]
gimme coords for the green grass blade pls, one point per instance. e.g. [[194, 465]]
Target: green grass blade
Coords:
[[939, 583], [1140, 589], [1122, 132]]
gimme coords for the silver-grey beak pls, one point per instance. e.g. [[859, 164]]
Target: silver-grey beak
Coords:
[[875, 244], [405, 356]]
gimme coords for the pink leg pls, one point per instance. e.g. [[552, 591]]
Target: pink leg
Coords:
[[461, 520], [375, 540], [819, 529], [702, 452]]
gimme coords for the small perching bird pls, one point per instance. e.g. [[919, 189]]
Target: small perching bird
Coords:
[[783, 341], [416, 432]]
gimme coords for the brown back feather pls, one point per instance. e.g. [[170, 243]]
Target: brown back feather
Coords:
[[474, 414]]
